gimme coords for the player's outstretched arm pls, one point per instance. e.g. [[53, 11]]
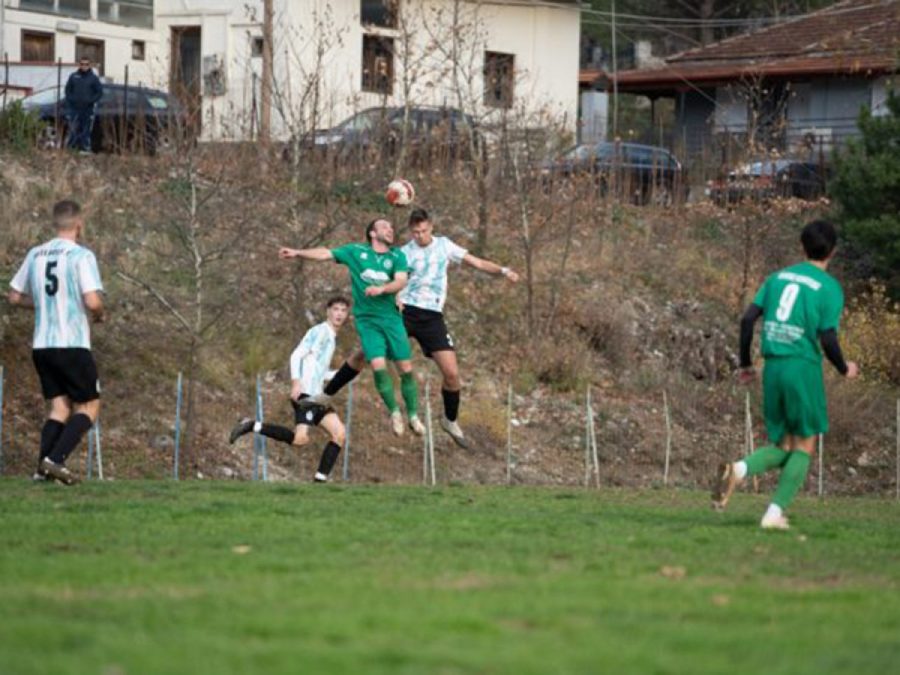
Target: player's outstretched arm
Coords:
[[832, 348], [753, 312], [318, 254], [18, 299], [490, 267], [395, 286]]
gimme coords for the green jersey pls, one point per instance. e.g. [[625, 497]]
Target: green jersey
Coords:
[[799, 303], [368, 268]]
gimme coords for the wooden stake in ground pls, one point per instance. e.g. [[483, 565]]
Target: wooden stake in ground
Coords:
[[509, 399], [668, 437], [748, 436], [821, 463], [429, 436], [425, 458], [592, 436], [897, 483], [587, 437]]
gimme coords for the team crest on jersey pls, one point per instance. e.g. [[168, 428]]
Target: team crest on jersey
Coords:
[[388, 264], [363, 256], [309, 416]]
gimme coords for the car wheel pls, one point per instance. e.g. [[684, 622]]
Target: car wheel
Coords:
[[163, 144], [50, 138], [661, 195]]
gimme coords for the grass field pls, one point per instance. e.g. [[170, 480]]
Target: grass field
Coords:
[[205, 577]]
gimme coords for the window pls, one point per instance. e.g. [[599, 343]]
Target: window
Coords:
[[80, 9], [256, 47], [37, 47], [499, 74], [126, 12], [381, 13], [138, 50], [378, 64]]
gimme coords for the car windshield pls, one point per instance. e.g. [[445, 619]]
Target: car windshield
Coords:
[[42, 97], [157, 102], [765, 167], [363, 121], [582, 152]]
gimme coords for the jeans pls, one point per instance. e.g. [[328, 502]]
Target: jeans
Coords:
[[81, 122]]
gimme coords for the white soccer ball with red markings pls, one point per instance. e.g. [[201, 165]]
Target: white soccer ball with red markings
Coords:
[[400, 193]]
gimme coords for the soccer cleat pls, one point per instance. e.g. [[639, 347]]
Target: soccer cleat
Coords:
[[774, 522], [58, 472], [320, 477], [725, 483], [397, 423], [453, 429], [39, 477], [416, 425], [245, 426]]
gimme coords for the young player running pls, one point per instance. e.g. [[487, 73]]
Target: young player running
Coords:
[[377, 273], [423, 299], [310, 363], [61, 282], [801, 309]]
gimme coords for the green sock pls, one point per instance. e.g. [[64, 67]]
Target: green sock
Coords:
[[793, 475], [385, 388], [765, 458], [410, 391]]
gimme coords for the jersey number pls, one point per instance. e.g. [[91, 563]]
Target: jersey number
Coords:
[[786, 303], [52, 284]]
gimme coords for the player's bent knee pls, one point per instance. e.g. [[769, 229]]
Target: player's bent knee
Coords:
[[301, 437]]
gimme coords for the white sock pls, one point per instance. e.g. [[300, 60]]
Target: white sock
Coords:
[[774, 511], [740, 470], [257, 427]]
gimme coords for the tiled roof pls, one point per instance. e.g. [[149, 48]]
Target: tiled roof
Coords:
[[854, 36]]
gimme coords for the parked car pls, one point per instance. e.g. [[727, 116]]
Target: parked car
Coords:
[[768, 179], [643, 173], [146, 119], [433, 132]]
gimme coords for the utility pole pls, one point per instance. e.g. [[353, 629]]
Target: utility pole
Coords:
[[265, 103], [615, 116]]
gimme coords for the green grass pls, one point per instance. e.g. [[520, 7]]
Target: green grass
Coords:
[[145, 577]]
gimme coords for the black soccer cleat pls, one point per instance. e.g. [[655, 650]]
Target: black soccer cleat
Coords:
[[245, 426]]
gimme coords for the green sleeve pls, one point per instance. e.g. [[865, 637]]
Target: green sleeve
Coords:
[[400, 264], [342, 254], [760, 299], [834, 306]]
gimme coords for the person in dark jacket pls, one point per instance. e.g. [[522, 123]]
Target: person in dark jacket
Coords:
[[83, 90]]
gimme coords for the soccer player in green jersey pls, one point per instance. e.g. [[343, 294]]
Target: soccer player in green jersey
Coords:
[[377, 273], [801, 308]]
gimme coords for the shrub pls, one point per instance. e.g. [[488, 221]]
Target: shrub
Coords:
[[872, 330], [19, 129]]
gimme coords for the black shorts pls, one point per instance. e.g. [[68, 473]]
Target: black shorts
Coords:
[[428, 328], [309, 414], [67, 372]]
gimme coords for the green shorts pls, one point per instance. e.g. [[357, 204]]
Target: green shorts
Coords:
[[793, 398], [383, 337]]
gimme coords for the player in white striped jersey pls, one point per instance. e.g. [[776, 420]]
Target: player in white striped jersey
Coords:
[[423, 299], [61, 282], [310, 364]]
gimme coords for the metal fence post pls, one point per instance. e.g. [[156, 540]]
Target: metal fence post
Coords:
[[178, 400], [345, 475], [509, 402], [1, 415], [97, 436], [90, 455], [259, 441]]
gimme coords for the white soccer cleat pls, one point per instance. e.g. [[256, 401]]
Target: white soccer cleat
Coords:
[[416, 425], [771, 522], [397, 423], [320, 477], [455, 432]]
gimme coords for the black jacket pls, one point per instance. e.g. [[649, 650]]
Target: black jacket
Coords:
[[83, 90]]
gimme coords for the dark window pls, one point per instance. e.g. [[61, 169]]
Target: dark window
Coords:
[[37, 47], [138, 50], [382, 13], [126, 12], [80, 9], [378, 64], [499, 78], [256, 47]]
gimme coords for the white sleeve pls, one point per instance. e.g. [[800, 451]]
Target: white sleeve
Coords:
[[89, 274], [20, 281], [301, 351], [455, 252]]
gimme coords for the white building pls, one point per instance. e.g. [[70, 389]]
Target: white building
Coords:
[[331, 57]]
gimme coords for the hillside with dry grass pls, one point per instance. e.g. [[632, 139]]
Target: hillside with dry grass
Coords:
[[640, 304]]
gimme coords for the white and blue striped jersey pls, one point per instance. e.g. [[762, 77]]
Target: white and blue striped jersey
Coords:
[[427, 284], [57, 275], [311, 360]]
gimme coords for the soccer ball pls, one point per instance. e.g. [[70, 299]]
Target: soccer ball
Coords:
[[400, 193]]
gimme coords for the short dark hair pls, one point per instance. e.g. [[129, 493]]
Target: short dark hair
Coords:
[[819, 239], [337, 300], [370, 228], [418, 216], [64, 211]]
